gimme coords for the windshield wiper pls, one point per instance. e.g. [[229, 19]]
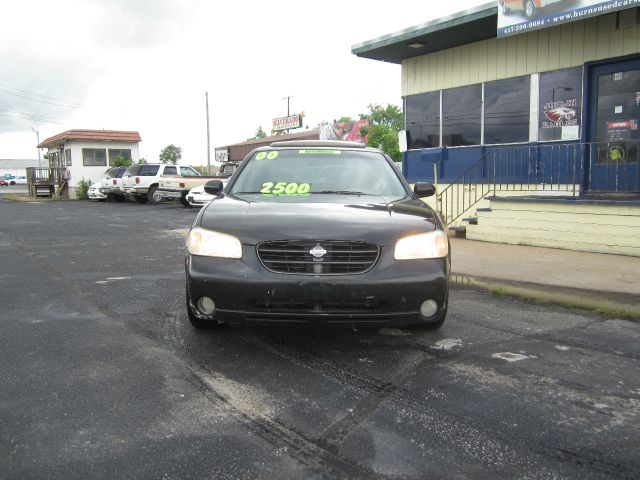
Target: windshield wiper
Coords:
[[338, 192]]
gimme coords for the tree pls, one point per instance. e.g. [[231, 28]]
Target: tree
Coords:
[[384, 125], [171, 154], [121, 162], [260, 133]]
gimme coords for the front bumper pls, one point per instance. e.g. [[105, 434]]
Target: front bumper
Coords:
[[197, 200], [390, 294]]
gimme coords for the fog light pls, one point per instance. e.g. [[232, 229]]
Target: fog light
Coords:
[[206, 306], [428, 308]]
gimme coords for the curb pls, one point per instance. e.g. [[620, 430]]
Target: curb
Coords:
[[566, 297]]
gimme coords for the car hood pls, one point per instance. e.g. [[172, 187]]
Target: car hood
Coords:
[[379, 222]]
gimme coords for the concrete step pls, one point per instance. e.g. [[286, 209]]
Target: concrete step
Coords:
[[605, 227]]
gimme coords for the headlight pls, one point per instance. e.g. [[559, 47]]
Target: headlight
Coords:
[[213, 244], [425, 245]]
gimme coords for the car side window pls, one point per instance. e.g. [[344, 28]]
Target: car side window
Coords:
[[188, 172], [132, 170], [149, 170], [170, 171]]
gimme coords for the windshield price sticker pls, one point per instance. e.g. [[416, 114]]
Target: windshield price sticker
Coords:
[[267, 155], [285, 188], [319, 152]]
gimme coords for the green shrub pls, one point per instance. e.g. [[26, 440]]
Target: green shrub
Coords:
[[82, 189]]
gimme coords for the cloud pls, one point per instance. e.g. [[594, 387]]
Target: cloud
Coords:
[[130, 24], [145, 65]]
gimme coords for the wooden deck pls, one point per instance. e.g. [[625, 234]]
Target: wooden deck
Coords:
[[47, 182]]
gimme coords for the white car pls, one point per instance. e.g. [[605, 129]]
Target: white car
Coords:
[[94, 192], [17, 180], [197, 197]]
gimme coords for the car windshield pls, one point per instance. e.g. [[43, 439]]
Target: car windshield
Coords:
[[317, 172]]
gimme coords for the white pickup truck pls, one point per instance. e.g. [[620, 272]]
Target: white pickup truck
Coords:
[[141, 181], [177, 187]]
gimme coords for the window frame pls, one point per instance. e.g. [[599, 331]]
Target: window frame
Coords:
[[111, 158], [94, 151]]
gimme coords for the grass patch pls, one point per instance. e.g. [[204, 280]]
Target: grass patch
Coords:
[[497, 291], [17, 198], [612, 312]]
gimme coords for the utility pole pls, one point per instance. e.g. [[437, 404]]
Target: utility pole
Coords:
[[38, 145], [288, 97], [206, 96]]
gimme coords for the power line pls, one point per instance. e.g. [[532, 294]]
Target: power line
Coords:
[[28, 116], [74, 104], [37, 100]]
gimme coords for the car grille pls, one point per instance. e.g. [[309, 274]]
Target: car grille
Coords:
[[334, 257], [345, 306]]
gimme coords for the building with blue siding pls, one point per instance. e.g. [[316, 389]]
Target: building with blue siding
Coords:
[[500, 105]]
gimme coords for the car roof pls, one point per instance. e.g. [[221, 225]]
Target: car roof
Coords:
[[318, 143], [334, 144]]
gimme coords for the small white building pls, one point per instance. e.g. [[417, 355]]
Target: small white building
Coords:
[[16, 167], [87, 154]]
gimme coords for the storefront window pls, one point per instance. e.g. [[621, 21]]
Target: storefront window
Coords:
[[461, 110], [506, 110], [560, 106], [423, 120]]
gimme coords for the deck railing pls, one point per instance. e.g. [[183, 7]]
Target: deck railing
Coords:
[[45, 179]]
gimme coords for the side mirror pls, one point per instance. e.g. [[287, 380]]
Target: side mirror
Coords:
[[214, 187], [424, 189]]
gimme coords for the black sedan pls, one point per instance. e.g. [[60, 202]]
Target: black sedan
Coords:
[[317, 232]]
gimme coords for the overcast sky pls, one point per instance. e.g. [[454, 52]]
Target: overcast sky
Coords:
[[145, 65]]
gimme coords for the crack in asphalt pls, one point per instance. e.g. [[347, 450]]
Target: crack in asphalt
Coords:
[[489, 443], [298, 448], [321, 454]]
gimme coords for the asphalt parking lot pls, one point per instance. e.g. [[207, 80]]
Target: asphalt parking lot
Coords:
[[102, 376]]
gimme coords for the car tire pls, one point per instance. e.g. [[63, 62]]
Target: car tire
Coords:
[[151, 195], [185, 203], [529, 8], [199, 323]]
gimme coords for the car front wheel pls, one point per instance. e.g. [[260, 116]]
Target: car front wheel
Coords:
[[185, 203]]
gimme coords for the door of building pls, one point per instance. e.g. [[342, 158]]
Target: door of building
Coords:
[[613, 122]]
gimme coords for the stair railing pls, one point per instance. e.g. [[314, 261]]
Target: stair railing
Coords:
[[526, 168]]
